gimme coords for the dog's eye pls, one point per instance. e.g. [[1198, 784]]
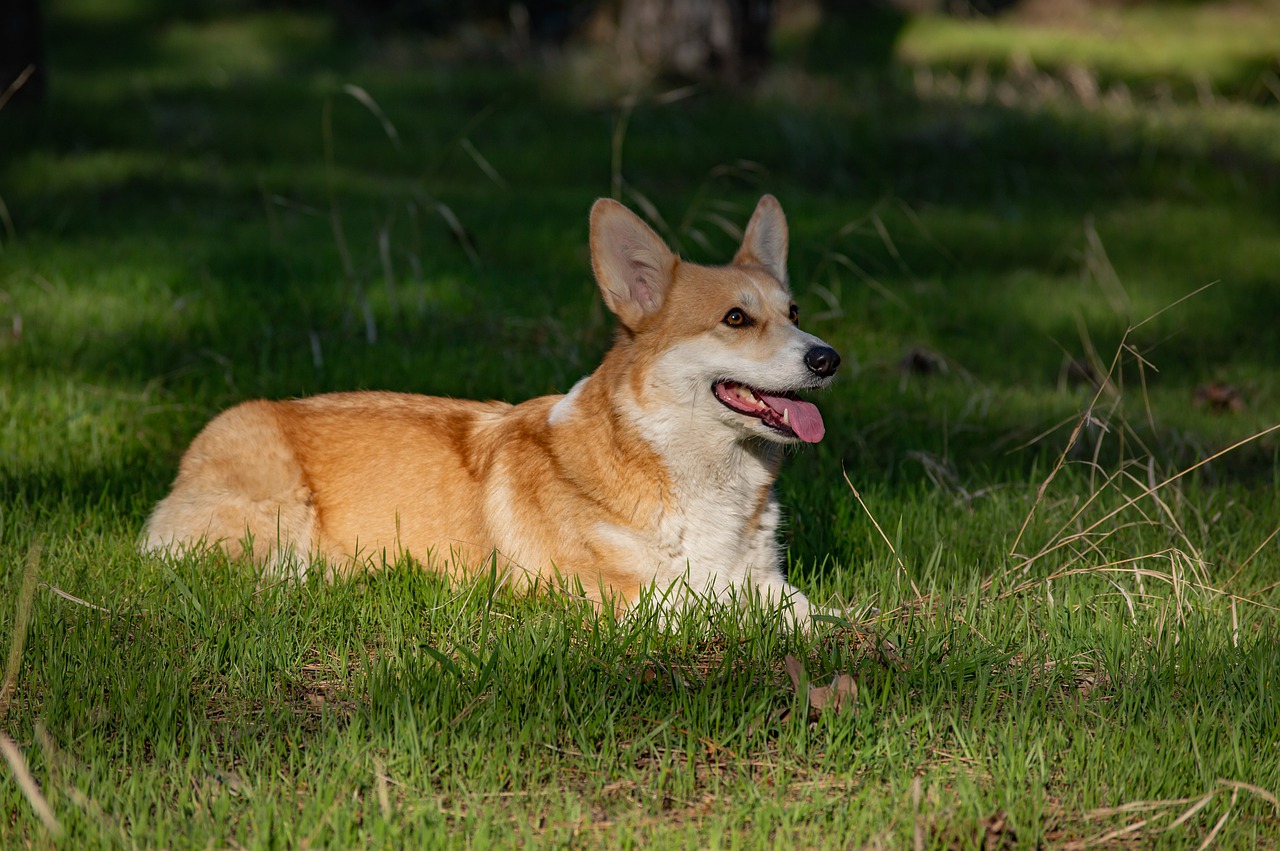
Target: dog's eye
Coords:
[[737, 318], [794, 314]]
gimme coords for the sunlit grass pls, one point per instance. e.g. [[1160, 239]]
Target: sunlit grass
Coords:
[[1182, 44]]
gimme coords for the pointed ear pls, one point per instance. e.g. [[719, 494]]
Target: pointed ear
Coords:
[[765, 241], [633, 265]]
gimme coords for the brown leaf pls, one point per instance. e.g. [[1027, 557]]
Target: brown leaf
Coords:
[[922, 361], [794, 670], [1218, 397], [996, 832], [840, 696]]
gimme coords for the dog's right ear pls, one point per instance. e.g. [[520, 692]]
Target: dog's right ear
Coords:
[[633, 266]]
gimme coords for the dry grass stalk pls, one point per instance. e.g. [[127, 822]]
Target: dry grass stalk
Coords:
[[1185, 808], [1085, 419], [22, 618], [21, 774], [1148, 491], [72, 598], [27, 783], [1108, 384], [18, 83], [902, 568]]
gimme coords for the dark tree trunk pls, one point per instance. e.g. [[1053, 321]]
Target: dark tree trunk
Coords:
[[22, 52], [752, 21]]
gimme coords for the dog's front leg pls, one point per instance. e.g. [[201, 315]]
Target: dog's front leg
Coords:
[[771, 591], [764, 581]]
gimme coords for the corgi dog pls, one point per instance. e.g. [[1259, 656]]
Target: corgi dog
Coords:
[[655, 470]]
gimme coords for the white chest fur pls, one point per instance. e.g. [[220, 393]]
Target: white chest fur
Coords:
[[720, 532], [723, 527]]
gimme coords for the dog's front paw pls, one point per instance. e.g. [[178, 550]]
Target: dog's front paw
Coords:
[[845, 616]]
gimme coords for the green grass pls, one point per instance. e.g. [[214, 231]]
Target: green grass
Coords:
[[1153, 48], [174, 250]]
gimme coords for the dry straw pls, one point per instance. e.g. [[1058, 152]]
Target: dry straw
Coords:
[[12, 754]]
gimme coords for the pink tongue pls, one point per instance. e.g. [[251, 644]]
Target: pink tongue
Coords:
[[802, 416]]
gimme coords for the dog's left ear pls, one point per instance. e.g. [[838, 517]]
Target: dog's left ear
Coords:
[[765, 241]]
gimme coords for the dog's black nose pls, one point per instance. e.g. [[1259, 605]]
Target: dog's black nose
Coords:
[[822, 360]]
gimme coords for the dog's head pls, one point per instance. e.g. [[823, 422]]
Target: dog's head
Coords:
[[723, 343]]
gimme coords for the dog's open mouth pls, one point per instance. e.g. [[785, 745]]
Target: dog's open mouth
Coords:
[[782, 412]]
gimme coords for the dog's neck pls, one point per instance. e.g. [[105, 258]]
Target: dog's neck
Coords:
[[698, 451]]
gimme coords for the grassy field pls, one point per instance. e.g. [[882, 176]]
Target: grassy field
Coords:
[[1049, 260]]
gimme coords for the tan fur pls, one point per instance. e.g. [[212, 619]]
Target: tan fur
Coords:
[[583, 488]]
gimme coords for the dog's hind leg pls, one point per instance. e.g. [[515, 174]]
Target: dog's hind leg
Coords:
[[239, 487]]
